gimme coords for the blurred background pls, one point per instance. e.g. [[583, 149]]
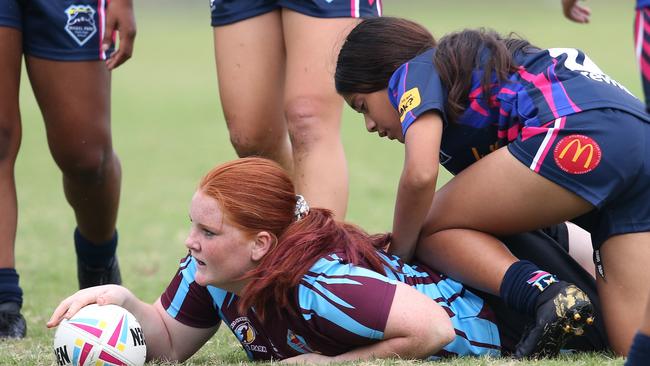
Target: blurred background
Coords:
[[168, 130]]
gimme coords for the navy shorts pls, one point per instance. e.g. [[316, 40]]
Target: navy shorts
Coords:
[[61, 30], [230, 11], [603, 156]]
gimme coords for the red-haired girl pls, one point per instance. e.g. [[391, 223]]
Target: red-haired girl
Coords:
[[293, 283]]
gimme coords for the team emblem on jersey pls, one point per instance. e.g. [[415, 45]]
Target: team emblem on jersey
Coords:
[[297, 342], [244, 330], [577, 154], [410, 99], [81, 23]]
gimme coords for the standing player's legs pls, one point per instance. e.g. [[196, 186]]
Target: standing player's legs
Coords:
[[313, 108], [250, 59], [12, 323], [74, 98], [624, 290], [641, 46]]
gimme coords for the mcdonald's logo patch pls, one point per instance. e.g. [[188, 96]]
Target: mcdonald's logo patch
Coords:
[[577, 154]]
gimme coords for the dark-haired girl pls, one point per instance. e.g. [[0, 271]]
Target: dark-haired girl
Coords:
[[293, 283], [577, 148]]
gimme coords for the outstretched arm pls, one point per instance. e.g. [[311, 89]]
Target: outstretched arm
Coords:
[[417, 184], [417, 327], [167, 339], [575, 11]]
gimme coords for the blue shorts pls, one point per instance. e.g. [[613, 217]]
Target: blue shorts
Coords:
[[61, 30], [230, 11], [603, 156]]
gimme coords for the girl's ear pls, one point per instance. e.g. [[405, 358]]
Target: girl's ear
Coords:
[[263, 242]]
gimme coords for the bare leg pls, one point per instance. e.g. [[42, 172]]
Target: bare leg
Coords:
[[74, 98], [453, 251], [251, 74], [532, 203], [313, 108], [12, 323], [489, 208], [624, 292], [10, 135]]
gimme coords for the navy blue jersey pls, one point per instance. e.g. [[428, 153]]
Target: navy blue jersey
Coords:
[[337, 307], [548, 84], [642, 4]]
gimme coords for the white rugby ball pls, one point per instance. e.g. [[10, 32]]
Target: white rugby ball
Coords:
[[100, 336]]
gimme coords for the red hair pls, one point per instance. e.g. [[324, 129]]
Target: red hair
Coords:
[[257, 195]]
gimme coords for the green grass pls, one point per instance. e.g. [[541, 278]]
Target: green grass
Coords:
[[168, 130]]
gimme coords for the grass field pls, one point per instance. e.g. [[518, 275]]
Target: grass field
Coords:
[[168, 130]]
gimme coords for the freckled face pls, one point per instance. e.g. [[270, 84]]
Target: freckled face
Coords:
[[222, 251], [378, 112]]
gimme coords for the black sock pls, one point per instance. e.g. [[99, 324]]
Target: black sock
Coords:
[[95, 255], [9, 289], [639, 354], [522, 284]]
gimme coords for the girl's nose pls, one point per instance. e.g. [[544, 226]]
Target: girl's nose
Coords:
[[371, 126]]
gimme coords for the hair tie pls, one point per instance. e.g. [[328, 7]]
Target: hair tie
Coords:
[[302, 208]]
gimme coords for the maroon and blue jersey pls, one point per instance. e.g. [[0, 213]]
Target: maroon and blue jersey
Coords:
[[337, 307], [547, 85]]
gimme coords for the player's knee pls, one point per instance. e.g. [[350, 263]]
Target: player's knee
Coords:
[[250, 138], [87, 165], [305, 121], [244, 145], [9, 143]]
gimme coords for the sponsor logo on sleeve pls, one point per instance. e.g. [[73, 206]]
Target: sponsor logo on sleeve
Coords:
[[410, 100], [577, 154], [81, 23]]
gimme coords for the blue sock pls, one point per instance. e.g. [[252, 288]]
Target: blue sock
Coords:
[[9, 289], [522, 284], [94, 255], [639, 354]]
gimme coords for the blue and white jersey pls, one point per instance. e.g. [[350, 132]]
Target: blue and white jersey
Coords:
[[548, 84]]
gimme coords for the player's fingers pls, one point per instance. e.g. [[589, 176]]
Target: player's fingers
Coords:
[[127, 38], [61, 310], [107, 41], [579, 16], [70, 306], [79, 302], [57, 314]]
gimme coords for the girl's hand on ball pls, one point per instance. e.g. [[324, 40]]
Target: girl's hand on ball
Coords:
[[101, 295]]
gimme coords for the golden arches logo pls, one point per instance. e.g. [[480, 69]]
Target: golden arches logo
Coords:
[[577, 154]]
